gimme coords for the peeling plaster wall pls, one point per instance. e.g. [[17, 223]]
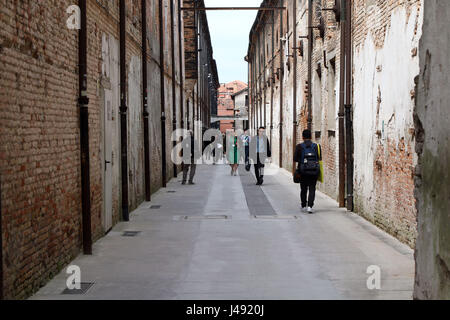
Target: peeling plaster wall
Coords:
[[383, 122], [433, 148]]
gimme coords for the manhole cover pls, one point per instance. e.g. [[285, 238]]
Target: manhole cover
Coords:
[[275, 217], [198, 218], [85, 286], [130, 233]]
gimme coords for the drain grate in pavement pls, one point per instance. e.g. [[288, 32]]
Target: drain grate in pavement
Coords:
[[155, 207], [199, 218], [257, 202], [275, 217], [171, 191], [130, 233], [85, 286]]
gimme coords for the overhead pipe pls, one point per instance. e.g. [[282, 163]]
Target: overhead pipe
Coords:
[[348, 104], [174, 96], [83, 103], [123, 113], [163, 99], [145, 112]]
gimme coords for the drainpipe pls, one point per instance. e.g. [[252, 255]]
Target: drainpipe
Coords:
[[174, 96], [348, 104], [123, 113], [83, 102], [341, 113], [294, 53], [264, 74], [180, 53], [163, 98], [145, 102], [273, 77], [1, 245], [260, 100], [310, 50], [281, 87]]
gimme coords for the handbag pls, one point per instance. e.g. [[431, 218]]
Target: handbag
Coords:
[[297, 176], [319, 149]]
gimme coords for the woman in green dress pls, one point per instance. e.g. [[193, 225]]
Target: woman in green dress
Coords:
[[233, 152]]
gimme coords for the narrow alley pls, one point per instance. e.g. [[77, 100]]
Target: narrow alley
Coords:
[[332, 116], [225, 238]]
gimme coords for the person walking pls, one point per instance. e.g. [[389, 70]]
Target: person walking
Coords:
[[246, 142], [259, 152], [308, 155], [233, 153], [189, 159]]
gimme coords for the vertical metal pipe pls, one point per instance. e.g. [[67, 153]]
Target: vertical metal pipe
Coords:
[[294, 103], [123, 113], [180, 53], [145, 102], [260, 91], [341, 112], [83, 102], [310, 50], [281, 87], [273, 76], [264, 73], [174, 88], [163, 99], [348, 105], [1, 244]]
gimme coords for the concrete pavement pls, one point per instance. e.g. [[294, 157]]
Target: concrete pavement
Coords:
[[215, 240]]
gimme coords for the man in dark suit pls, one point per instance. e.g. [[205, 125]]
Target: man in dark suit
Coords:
[[259, 152]]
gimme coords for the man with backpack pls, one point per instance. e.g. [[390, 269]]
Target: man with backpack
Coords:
[[308, 155]]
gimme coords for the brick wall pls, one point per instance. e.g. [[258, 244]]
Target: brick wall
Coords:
[[39, 143], [39, 128]]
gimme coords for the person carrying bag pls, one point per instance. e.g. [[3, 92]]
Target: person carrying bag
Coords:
[[308, 155]]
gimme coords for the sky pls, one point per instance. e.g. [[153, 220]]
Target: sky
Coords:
[[230, 36]]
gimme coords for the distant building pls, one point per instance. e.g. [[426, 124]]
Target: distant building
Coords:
[[240, 100], [225, 105]]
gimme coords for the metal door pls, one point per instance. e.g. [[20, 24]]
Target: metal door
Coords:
[[108, 156]]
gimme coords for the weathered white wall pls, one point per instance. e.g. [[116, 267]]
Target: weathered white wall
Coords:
[[383, 102]]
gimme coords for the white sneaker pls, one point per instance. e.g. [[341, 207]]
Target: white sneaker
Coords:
[[303, 209], [310, 210]]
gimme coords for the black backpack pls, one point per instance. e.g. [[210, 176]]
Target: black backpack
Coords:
[[309, 163]]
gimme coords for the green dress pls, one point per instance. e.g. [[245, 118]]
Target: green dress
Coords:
[[233, 151]]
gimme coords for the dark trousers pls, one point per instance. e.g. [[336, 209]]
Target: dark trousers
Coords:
[[259, 173], [186, 167], [308, 191]]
